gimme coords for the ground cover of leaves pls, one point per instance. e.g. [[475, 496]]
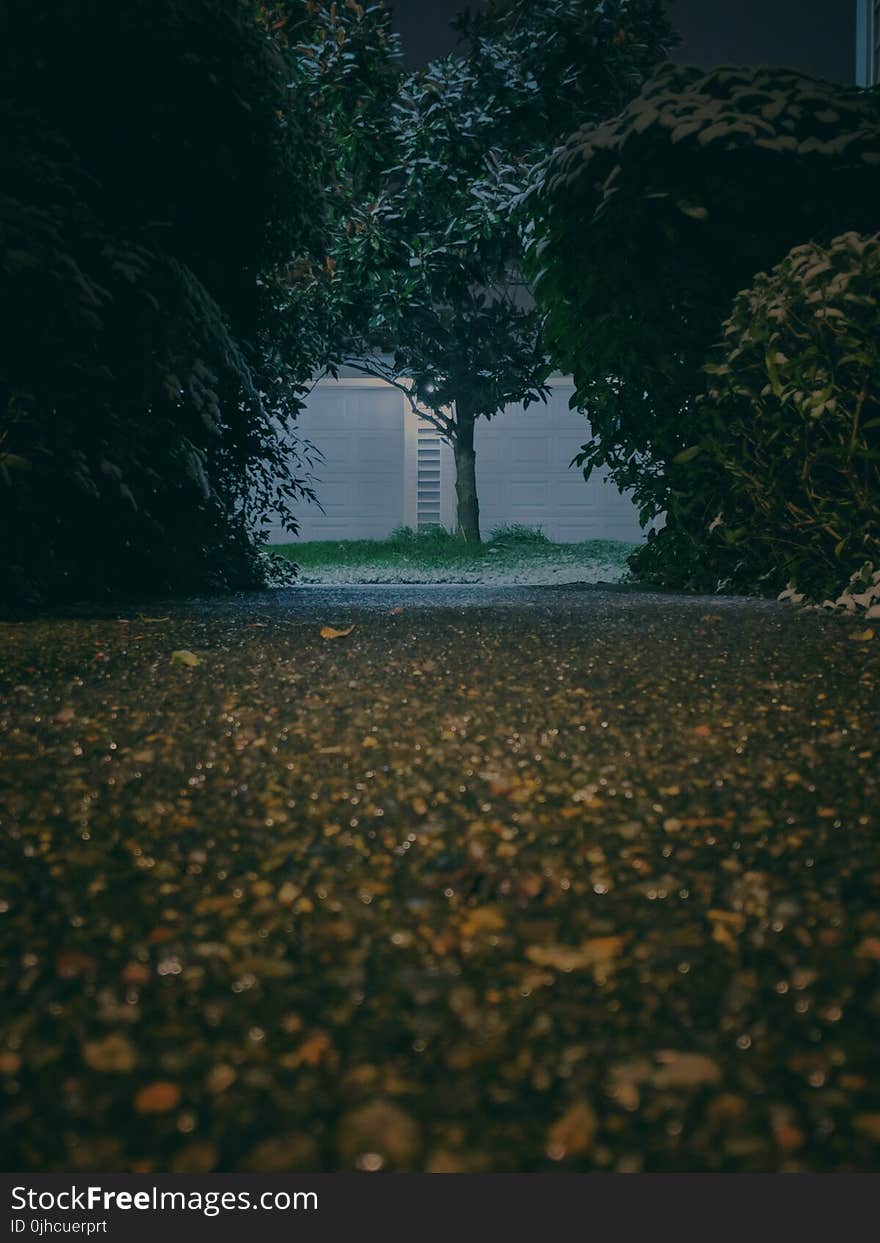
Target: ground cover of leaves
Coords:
[[506, 881]]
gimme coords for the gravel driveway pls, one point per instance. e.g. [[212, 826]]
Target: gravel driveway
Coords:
[[500, 879]]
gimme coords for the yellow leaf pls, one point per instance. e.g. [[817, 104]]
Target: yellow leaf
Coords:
[[863, 636], [313, 1050], [597, 952], [482, 919], [572, 1135], [184, 657], [684, 1070], [726, 926], [329, 632], [113, 1053]]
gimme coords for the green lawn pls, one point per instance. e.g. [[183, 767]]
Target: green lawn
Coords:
[[510, 554]]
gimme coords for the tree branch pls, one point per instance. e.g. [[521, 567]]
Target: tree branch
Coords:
[[444, 424]]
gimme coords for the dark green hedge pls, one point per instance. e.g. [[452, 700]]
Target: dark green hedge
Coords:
[[151, 173], [784, 483], [647, 226]]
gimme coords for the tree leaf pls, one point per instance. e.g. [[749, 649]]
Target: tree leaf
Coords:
[[330, 632]]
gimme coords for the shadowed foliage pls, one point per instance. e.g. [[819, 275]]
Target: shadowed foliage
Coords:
[[784, 482], [153, 177], [647, 227]]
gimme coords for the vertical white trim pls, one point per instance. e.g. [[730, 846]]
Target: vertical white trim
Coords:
[[867, 22], [429, 475], [410, 516]]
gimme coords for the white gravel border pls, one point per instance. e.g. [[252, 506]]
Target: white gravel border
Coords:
[[546, 573]]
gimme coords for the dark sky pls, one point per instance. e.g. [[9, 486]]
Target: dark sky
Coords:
[[816, 36]]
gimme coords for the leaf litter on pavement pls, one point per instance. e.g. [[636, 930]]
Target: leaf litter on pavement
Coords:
[[516, 890]]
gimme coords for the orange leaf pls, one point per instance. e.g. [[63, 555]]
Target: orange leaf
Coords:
[[157, 1098], [73, 963], [328, 632]]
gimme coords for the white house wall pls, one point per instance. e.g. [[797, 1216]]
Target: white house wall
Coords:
[[524, 475], [383, 468], [358, 427]]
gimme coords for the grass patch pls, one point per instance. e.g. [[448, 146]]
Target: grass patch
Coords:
[[514, 553]]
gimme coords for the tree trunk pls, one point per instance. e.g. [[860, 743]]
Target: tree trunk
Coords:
[[465, 476]]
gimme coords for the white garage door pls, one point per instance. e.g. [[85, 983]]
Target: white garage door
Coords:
[[359, 429], [523, 475], [382, 468]]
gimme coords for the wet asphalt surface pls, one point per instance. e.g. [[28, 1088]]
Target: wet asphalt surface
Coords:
[[503, 879]]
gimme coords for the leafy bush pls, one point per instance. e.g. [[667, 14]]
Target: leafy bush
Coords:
[[648, 225], [151, 185], [784, 483]]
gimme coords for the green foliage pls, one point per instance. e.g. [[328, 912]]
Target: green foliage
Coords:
[[428, 265], [648, 225], [435, 554], [784, 484], [149, 195], [519, 533], [433, 257], [345, 65]]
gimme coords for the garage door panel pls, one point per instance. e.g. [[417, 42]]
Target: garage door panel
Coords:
[[528, 493], [529, 449], [523, 470], [360, 482], [524, 476]]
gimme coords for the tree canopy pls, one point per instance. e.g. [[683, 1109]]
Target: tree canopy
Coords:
[[428, 263], [647, 225]]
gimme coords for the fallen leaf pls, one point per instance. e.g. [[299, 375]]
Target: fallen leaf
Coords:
[[787, 1134], [219, 1078], [869, 948], [572, 1135], [726, 926], [73, 963], [195, 1159], [869, 1125], [184, 657], [157, 1098], [64, 716], [329, 632], [597, 952], [376, 1133], [114, 1053], [314, 1050], [863, 636], [136, 973], [684, 1070], [482, 919]]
